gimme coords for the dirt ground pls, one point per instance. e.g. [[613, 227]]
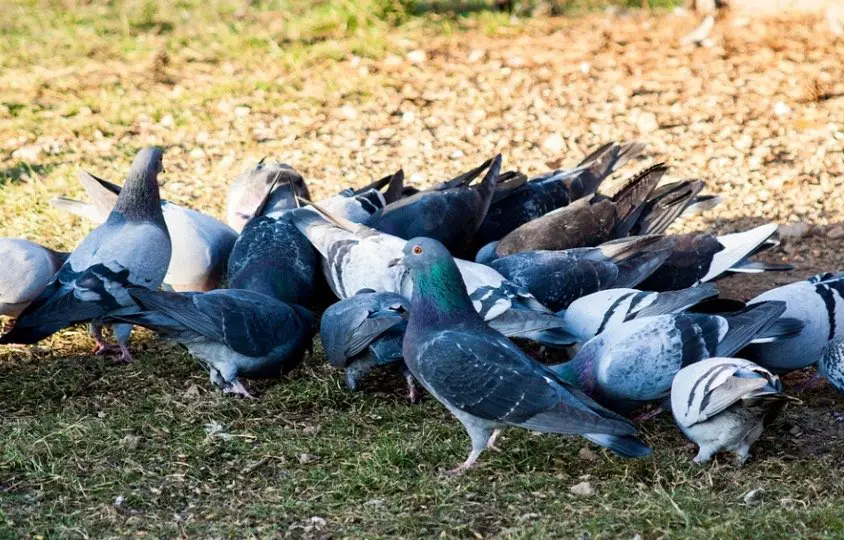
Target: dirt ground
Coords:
[[758, 115]]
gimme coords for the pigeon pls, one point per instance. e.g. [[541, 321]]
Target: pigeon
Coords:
[[365, 331], [551, 191], [272, 257], [201, 243], [231, 332], [450, 215], [271, 184], [698, 257], [356, 257], [819, 303], [831, 364], [634, 362], [594, 313], [27, 269], [557, 278], [480, 376], [591, 222], [723, 404], [132, 248], [393, 182]]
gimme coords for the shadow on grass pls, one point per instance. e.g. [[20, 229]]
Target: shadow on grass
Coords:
[[23, 171]]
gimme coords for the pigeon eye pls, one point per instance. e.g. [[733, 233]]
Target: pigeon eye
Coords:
[[417, 250]]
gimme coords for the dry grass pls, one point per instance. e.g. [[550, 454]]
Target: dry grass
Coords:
[[346, 97]]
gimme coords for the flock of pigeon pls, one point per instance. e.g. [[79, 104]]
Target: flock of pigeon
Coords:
[[435, 282]]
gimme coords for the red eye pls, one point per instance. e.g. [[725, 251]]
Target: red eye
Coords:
[[417, 250]]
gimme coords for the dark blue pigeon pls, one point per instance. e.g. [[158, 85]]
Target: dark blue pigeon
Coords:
[[634, 363], [535, 198], [480, 376], [394, 184], [819, 303], [266, 186], [232, 332], [366, 331], [558, 278], [272, 257], [132, 248], [451, 215]]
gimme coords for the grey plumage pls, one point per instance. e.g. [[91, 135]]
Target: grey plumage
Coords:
[[635, 362], [818, 302], [363, 332], [480, 376], [356, 257], [232, 332], [723, 404], [201, 244], [831, 365], [265, 188], [132, 248], [27, 268]]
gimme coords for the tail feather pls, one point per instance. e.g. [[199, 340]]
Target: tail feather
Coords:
[[631, 197], [677, 301], [49, 314], [78, 208], [748, 324], [701, 204], [757, 267], [466, 178], [665, 205], [781, 329], [625, 445], [623, 248], [395, 186], [639, 267], [486, 188], [627, 152], [737, 247]]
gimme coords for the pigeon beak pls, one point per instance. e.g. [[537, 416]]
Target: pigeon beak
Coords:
[[394, 263]]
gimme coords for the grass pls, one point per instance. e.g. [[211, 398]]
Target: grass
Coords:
[[89, 448]]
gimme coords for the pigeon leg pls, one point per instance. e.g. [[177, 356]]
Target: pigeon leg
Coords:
[[703, 455], [96, 331], [236, 387], [650, 415], [480, 437], [412, 390], [494, 437], [122, 331]]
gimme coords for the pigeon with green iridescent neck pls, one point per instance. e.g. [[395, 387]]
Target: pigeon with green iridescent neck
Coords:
[[480, 376]]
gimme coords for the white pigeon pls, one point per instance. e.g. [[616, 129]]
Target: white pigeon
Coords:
[[723, 404]]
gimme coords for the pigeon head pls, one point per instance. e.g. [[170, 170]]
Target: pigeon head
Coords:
[[438, 287], [139, 198]]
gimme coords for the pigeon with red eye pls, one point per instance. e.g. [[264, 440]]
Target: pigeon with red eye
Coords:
[[266, 188], [232, 332], [201, 244], [556, 189], [27, 269], [484, 380], [450, 215], [131, 249], [364, 332]]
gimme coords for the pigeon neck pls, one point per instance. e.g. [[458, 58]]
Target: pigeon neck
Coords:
[[139, 199], [578, 372], [440, 297]]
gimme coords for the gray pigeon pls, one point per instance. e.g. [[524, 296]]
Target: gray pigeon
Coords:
[[231, 332], [831, 365], [275, 185], [27, 269], [724, 404], [819, 303], [594, 313], [201, 243], [634, 362], [132, 248], [481, 377], [357, 257], [366, 331]]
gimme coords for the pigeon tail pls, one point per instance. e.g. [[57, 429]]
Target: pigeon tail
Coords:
[[737, 247], [78, 208], [625, 446], [665, 205], [670, 302], [748, 324], [630, 199]]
